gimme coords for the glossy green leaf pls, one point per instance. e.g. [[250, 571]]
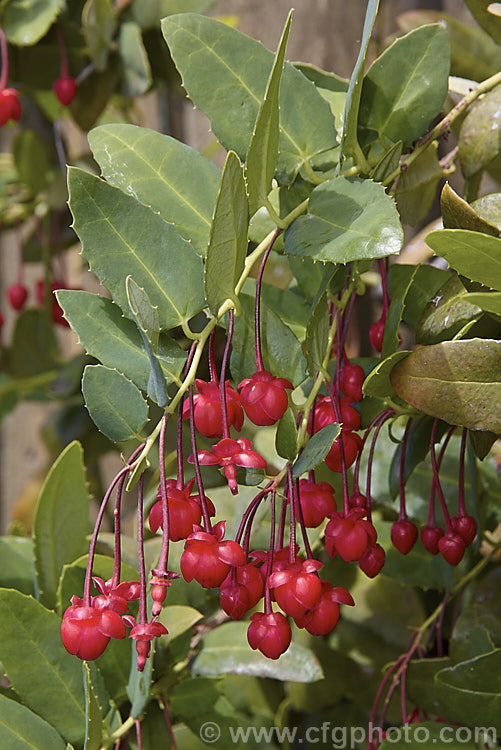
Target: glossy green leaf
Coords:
[[485, 15], [136, 75], [286, 436], [114, 340], [93, 716], [426, 281], [427, 735], [99, 21], [173, 179], [348, 219], [115, 405], [473, 53], [405, 87], [377, 383], [94, 93], [479, 139], [282, 352], [44, 675], [146, 318], [323, 79], [25, 22], [472, 254], [178, 619], [446, 314], [316, 449], [21, 729], [61, 520], [138, 242], [417, 186], [317, 334], [138, 687], [488, 301], [16, 564], [388, 163], [262, 155], [288, 304], [489, 208], [205, 50], [33, 347], [228, 236], [225, 650], [349, 139], [470, 637], [31, 157], [400, 290], [192, 697], [457, 381], [458, 214], [308, 274]]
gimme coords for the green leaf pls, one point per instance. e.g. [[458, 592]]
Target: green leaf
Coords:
[[94, 93], [138, 688], [16, 564], [488, 301], [472, 254], [388, 163], [93, 716], [479, 140], [489, 208], [262, 155], [348, 219], [32, 159], [316, 449], [21, 729], [61, 520], [146, 318], [138, 243], [427, 735], [171, 178], [426, 281], [349, 140], [136, 76], [417, 186], [44, 675], [405, 87], [33, 345], [114, 340], [416, 450], [470, 637], [446, 314], [456, 381], [282, 352], [25, 22], [323, 79], [286, 436], [486, 17], [205, 50], [193, 697], [178, 619], [400, 290], [228, 236], [115, 405], [458, 214], [317, 334], [225, 650], [99, 21]]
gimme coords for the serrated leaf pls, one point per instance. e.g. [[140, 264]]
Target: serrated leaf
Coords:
[[472, 254], [228, 236], [225, 650], [406, 85], [61, 520], [458, 214], [348, 219], [282, 352], [456, 381], [349, 140], [173, 179], [316, 449], [286, 436], [479, 141], [205, 50], [262, 155], [317, 334], [136, 75], [138, 242], [25, 22], [21, 729], [115, 405], [44, 675], [114, 340], [417, 186], [93, 718]]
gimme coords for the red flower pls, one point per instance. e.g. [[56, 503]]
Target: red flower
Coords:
[[229, 454], [270, 634], [324, 616], [241, 590], [184, 510], [349, 536], [10, 108], [143, 634], [264, 397], [86, 631], [297, 588], [65, 89], [317, 502], [207, 408], [207, 559]]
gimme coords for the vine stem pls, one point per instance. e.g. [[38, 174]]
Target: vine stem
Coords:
[[444, 125], [62, 52], [257, 310], [164, 552]]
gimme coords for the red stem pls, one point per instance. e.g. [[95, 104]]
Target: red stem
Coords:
[[297, 501], [222, 383], [269, 563], [164, 552], [5, 60], [431, 506], [436, 480], [292, 514], [140, 553], [196, 464], [403, 448], [462, 454], [383, 270], [257, 309], [62, 52]]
